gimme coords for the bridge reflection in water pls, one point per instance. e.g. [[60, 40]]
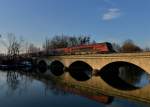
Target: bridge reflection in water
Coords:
[[94, 87], [57, 85], [119, 79]]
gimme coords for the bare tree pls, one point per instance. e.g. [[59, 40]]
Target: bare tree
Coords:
[[26, 47], [63, 41], [33, 49], [130, 46], [59, 41], [47, 45], [83, 40], [147, 49], [116, 47], [13, 45], [72, 41]]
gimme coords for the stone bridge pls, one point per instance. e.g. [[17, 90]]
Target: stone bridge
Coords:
[[104, 71], [111, 67], [98, 61]]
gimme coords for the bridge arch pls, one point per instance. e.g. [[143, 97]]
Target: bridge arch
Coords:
[[43, 64], [80, 70], [123, 75], [57, 67]]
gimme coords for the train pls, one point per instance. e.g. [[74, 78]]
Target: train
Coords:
[[97, 48]]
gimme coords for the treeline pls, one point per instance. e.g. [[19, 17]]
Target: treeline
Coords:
[[64, 41], [15, 45], [128, 46]]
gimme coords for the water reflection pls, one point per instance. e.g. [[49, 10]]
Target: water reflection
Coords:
[[57, 68], [12, 80], [17, 79], [16, 83], [31, 88], [134, 76], [80, 71], [42, 66], [99, 98], [124, 76]]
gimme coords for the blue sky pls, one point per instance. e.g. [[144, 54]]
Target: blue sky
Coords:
[[104, 20]]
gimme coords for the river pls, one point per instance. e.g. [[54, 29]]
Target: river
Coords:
[[19, 89]]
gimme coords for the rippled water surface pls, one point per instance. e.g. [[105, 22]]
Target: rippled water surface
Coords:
[[24, 90]]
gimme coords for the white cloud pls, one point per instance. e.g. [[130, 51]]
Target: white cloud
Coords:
[[111, 13]]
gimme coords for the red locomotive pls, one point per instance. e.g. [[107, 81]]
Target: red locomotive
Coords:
[[98, 48]]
